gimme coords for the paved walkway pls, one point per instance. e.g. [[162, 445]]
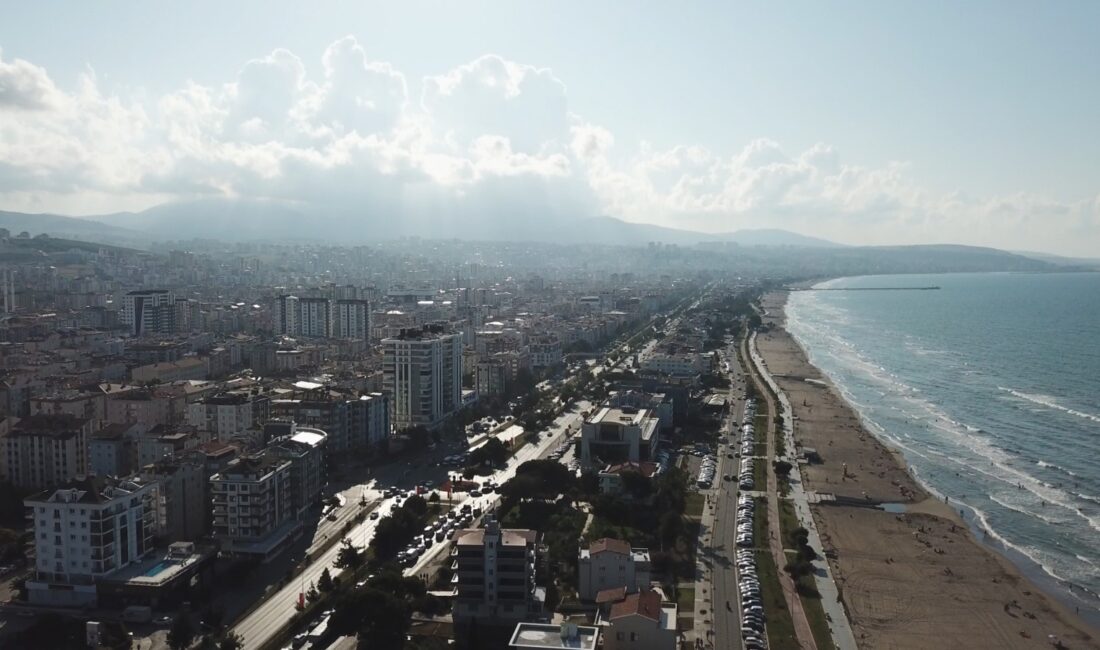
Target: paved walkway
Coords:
[[839, 626], [775, 543]]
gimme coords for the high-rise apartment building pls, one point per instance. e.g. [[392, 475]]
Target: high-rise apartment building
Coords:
[[422, 373], [351, 319], [315, 318], [254, 509], [149, 311], [285, 314]]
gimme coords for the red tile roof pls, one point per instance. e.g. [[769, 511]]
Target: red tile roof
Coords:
[[611, 595], [644, 603], [608, 544]]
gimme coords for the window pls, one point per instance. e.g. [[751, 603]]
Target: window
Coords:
[[619, 636]]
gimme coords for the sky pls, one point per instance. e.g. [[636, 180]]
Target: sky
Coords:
[[861, 122]]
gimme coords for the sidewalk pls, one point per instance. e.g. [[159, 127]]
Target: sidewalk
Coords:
[[839, 626]]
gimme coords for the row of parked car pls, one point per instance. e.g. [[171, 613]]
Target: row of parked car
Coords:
[[706, 471], [438, 532], [752, 608], [744, 477], [748, 432]]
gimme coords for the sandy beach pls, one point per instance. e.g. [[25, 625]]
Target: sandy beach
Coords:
[[915, 580]]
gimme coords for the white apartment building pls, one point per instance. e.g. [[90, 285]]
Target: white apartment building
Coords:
[[223, 415], [618, 434], [611, 564], [351, 320], [545, 352], [315, 319], [85, 530], [254, 510], [42, 451], [151, 311], [422, 372]]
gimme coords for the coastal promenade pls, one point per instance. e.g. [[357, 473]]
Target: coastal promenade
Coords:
[[914, 577], [839, 626]]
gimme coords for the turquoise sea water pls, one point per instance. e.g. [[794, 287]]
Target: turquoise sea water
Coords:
[[991, 388]]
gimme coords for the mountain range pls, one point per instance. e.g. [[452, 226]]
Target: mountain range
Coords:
[[231, 220], [236, 220]]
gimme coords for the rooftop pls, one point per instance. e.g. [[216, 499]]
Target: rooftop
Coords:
[[542, 635], [644, 603]]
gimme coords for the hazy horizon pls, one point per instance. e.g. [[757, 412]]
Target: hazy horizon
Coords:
[[856, 123]]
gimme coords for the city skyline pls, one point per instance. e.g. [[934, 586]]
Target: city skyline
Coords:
[[859, 124]]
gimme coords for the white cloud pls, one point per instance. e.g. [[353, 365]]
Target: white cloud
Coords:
[[490, 136], [25, 86]]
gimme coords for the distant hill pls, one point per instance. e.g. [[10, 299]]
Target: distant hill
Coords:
[[1091, 263], [775, 237], [62, 227], [251, 220], [761, 251]]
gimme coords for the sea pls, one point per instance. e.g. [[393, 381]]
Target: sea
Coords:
[[990, 387]]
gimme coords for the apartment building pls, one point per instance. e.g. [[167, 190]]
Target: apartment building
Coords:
[[223, 415], [85, 530], [253, 506], [305, 449], [351, 422], [545, 351], [351, 319], [495, 571], [611, 564], [180, 503], [42, 451], [151, 311], [422, 373]]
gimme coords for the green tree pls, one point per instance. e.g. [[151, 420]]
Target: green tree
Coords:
[[231, 641], [312, 594], [324, 583], [349, 556]]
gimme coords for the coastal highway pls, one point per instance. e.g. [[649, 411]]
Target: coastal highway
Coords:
[[264, 622], [723, 551]]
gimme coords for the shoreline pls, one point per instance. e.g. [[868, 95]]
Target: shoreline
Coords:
[[960, 584]]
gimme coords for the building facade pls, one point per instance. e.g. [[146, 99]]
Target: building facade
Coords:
[[43, 451], [86, 530], [422, 373], [609, 564], [615, 435], [148, 312], [495, 573]]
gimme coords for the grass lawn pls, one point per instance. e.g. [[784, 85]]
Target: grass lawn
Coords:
[[788, 521], [815, 615], [781, 634], [693, 505], [760, 522], [760, 473], [760, 449], [685, 599]]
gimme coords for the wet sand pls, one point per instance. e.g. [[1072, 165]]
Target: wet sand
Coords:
[[909, 581]]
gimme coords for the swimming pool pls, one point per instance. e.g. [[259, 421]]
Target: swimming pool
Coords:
[[159, 567]]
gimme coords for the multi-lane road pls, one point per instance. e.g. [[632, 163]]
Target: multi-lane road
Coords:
[[264, 623]]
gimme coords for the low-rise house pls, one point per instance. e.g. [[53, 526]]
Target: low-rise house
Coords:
[[611, 563]]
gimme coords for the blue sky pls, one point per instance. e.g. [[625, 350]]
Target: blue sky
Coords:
[[862, 122]]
